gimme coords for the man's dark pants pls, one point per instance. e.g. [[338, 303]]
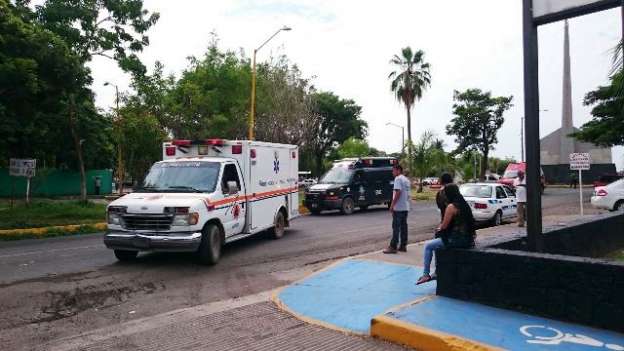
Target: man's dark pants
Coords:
[[399, 229]]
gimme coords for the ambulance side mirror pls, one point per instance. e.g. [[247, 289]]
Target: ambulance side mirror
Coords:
[[232, 188]]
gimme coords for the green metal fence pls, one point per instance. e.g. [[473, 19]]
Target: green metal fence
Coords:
[[54, 182]]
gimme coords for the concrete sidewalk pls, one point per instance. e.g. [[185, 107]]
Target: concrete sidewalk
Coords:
[[375, 294]]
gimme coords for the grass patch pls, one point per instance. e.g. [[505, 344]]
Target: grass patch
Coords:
[[47, 232], [46, 213], [426, 195], [617, 255]]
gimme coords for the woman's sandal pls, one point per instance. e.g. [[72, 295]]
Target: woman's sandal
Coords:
[[424, 279]]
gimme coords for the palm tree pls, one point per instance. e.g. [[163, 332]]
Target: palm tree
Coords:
[[409, 81]]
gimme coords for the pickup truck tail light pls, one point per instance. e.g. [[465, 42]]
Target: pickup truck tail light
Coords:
[[480, 206], [170, 150], [237, 149]]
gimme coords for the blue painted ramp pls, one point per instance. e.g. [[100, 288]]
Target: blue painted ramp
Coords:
[[506, 329], [351, 293]]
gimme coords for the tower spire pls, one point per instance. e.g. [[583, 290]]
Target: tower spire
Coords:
[[567, 125]]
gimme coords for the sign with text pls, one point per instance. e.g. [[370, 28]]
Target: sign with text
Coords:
[[570, 8], [22, 167], [580, 161]]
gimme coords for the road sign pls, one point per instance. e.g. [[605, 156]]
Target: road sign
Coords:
[[580, 161], [545, 11], [22, 167]]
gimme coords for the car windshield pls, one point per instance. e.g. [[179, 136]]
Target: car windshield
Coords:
[[337, 175], [187, 176], [512, 173], [474, 190]]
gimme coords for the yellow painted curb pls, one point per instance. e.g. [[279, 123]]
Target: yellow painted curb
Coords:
[[396, 331], [45, 230]]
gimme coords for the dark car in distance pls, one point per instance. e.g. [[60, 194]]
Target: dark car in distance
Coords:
[[353, 182]]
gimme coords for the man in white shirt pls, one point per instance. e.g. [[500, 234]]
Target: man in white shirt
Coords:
[[399, 207], [520, 185]]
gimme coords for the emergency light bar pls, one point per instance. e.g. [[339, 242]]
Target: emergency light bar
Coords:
[[212, 142]]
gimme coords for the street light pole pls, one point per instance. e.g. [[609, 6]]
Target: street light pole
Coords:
[[252, 109], [402, 135], [120, 167]]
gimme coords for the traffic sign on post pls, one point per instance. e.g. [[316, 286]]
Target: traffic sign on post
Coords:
[[23, 168], [580, 161]]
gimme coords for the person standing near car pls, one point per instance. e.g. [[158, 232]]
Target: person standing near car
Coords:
[[520, 185], [441, 200], [399, 208]]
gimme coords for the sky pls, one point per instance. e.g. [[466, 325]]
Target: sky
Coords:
[[346, 46]]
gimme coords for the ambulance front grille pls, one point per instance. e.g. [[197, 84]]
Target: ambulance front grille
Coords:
[[147, 221]]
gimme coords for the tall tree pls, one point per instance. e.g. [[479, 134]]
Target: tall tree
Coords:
[[112, 29], [478, 117], [336, 121], [353, 147], [607, 125], [409, 81]]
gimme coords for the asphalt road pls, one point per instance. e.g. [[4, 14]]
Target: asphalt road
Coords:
[[58, 287]]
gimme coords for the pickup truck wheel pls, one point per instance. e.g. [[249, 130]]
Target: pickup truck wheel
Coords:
[[277, 232], [211, 244], [347, 206], [126, 255]]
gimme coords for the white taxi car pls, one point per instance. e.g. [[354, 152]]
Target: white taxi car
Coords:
[[609, 197], [490, 202]]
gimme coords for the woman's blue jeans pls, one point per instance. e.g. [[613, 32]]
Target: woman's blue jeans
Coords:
[[430, 247]]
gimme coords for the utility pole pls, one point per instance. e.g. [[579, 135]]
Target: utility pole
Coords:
[[522, 139], [120, 166]]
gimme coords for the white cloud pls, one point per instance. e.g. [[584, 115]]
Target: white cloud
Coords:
[[347, 46]]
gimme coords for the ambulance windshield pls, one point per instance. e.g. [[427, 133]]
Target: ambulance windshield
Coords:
[[187, 176], [339, 174]]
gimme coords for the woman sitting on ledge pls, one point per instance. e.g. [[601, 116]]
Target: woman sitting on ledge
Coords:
[[457, 229]]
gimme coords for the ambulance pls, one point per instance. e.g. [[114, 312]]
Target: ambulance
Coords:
[[204, 194]]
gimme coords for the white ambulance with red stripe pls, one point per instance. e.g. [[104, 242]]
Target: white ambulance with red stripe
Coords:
[[205, 193]]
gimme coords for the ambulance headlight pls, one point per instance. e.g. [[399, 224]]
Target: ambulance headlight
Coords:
[[182, 216], [114, 213]]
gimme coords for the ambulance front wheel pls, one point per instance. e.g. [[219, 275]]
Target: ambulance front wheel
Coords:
[[211, 244]]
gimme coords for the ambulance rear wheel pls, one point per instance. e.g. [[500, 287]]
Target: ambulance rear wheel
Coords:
[[211, 244], [280, 226]]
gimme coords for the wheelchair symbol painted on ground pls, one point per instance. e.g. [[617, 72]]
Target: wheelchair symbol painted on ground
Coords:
[[541, 334]]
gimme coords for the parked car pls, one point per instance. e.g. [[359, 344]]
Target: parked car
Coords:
[[431, 181], [492, 177], [490, 202], [351, 183], [606, 179], [609, 197], [511, 173]]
